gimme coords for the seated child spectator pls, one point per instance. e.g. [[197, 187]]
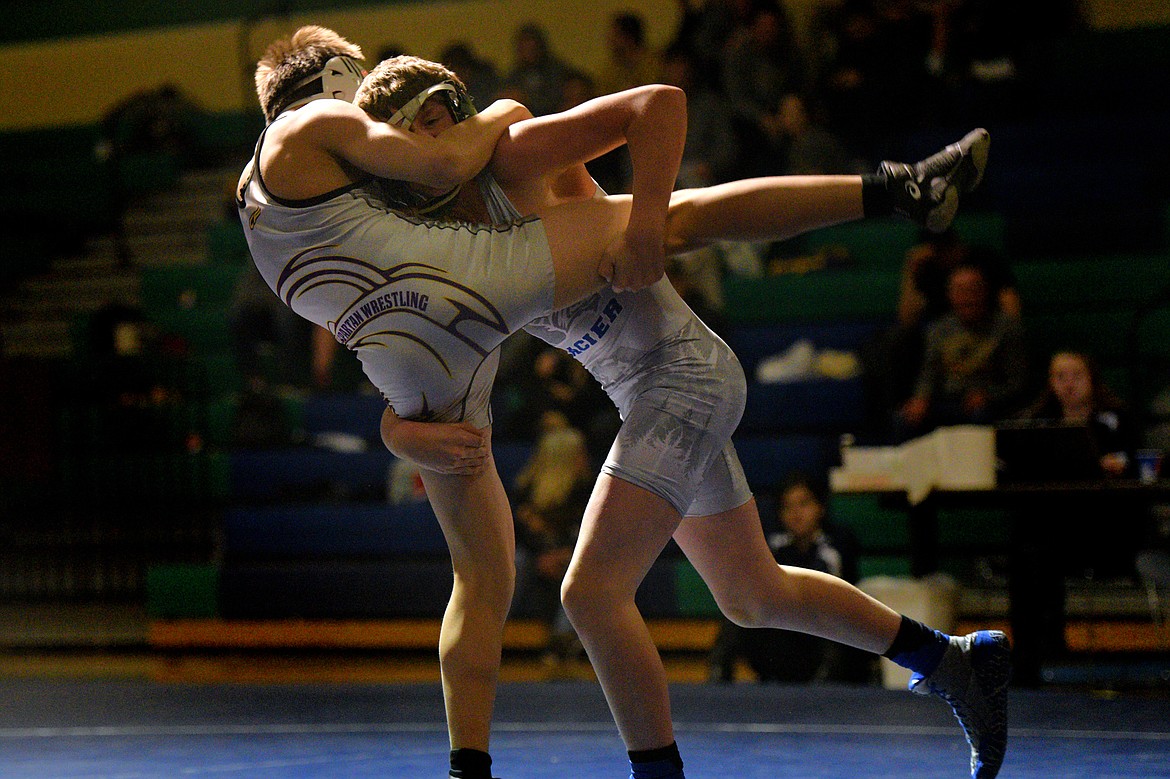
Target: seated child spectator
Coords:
[[806, 540]]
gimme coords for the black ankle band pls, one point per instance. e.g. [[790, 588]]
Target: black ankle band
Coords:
[[470, 764], [912, 635], [875, 198], [654, 755]]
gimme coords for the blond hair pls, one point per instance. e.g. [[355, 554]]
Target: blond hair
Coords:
[[396, 80], [286, 62], [557, 466]]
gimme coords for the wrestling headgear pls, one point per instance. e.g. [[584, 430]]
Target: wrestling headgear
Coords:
[[399, 194], [339, 78], [458, 103]]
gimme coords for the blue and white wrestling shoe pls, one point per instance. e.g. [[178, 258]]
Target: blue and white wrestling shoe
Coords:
[[973, 678]]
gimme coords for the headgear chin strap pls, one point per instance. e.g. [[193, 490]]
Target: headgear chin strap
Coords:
[[339, 78], [458, 101]]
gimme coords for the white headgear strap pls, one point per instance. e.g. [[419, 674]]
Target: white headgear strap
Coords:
[[339, 78], [459, 104]]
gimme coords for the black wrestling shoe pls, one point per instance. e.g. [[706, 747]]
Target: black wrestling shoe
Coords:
[[927, 192]]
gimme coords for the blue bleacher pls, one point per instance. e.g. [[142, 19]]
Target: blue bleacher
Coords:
[[331, 531], [355, 414], [283, 474], [755, 342], [817, 405], [381, 589], [767, 460]]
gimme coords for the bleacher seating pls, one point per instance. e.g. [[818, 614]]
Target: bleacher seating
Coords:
[[331, 531], [1078, 202], [820, 296], [811, 404], [335, 589], [305, 472]]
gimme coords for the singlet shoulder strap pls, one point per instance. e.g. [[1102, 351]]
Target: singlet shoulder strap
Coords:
[[292, 203]]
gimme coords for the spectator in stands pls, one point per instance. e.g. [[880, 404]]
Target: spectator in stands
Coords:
[[1076, 395], [1064, 536], [705, 29], [549, 500], [972, 59], [806, 146], [760, 65], [922, 295], [630, 61], [974, 367], [159, 121], [709, 157], [894, 359], [806, 539], [612, 171], [538, 77], [872, 70], [477, 73], [711, 150], [979, 48], [559, 391]]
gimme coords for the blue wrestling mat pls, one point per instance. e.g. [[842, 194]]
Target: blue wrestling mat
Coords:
[[128, 729]]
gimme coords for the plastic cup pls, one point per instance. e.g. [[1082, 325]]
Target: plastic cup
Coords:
[[1149, 462]]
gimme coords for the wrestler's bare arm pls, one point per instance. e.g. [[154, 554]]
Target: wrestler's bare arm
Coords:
[[329, 143], [651, 120], [550, 145]]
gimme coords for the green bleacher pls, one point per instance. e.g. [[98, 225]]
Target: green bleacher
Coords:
[[818, 296], [208, 287], [226, 244], [1099, 283], [882, 532]]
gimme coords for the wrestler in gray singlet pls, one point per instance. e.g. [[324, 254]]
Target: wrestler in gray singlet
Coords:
[[678, 387]]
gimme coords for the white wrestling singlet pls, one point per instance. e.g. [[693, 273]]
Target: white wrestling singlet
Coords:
[[425, 305]]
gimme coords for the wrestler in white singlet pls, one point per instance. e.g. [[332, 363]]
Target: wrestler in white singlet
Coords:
[[424, 305]]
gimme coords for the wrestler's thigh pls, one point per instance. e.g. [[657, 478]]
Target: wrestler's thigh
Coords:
[[730, 553], [623, 531], [578, 234]]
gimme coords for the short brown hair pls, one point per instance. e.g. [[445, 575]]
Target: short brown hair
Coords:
[[286, 62], [395, 81]]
